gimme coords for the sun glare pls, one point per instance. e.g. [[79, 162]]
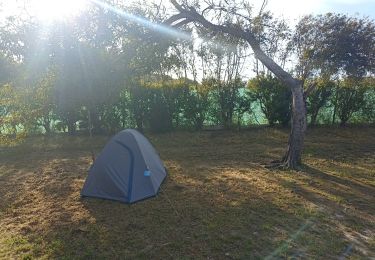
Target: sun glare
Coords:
[[51, 10]]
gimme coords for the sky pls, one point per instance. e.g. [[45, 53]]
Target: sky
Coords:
[[289, 9], [293, 9]]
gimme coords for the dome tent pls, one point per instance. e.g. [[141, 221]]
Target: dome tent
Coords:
[[128, 169]]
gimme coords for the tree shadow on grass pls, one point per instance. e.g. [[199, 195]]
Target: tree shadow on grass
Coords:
[[348, 206], [342, 180], [194, 216], [185, 221], [217, 202], [351, 146]]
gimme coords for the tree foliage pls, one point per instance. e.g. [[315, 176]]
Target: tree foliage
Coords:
[[274, 98], [120, 73]]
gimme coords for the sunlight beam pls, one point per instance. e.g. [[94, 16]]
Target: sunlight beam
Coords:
[[143, 21], [163, 28]]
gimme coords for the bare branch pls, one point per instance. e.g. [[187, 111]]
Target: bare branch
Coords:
[[264, 4], [181, 23], [177, 6], [191, 15], [174, 18]]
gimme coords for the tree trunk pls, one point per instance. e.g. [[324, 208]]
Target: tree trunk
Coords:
[[344, 120], [314, 116], [96, 125], [335, 103], [199, 122], [139, 124], [71, 130], [239, 122], [292, 158], [293, 155], [47, 126], [71, 127]]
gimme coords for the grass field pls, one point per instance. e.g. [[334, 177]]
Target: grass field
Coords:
[[218, 201]]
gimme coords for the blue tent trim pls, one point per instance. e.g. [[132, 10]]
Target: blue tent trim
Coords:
[[131, 171]]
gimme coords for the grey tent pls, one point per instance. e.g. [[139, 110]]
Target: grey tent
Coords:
[[128, 169]]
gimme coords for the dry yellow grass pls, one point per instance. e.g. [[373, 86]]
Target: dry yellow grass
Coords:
[[217, 202]]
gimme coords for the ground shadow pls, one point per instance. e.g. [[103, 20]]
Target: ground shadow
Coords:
[[217, 202]]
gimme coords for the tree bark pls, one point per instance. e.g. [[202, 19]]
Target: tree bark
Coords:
[[139, 124], [47, 125], [71, 128], [335, 103], [293, 156], [313, 119]]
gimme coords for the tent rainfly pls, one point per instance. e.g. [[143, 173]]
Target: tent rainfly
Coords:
[[128, 169]]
